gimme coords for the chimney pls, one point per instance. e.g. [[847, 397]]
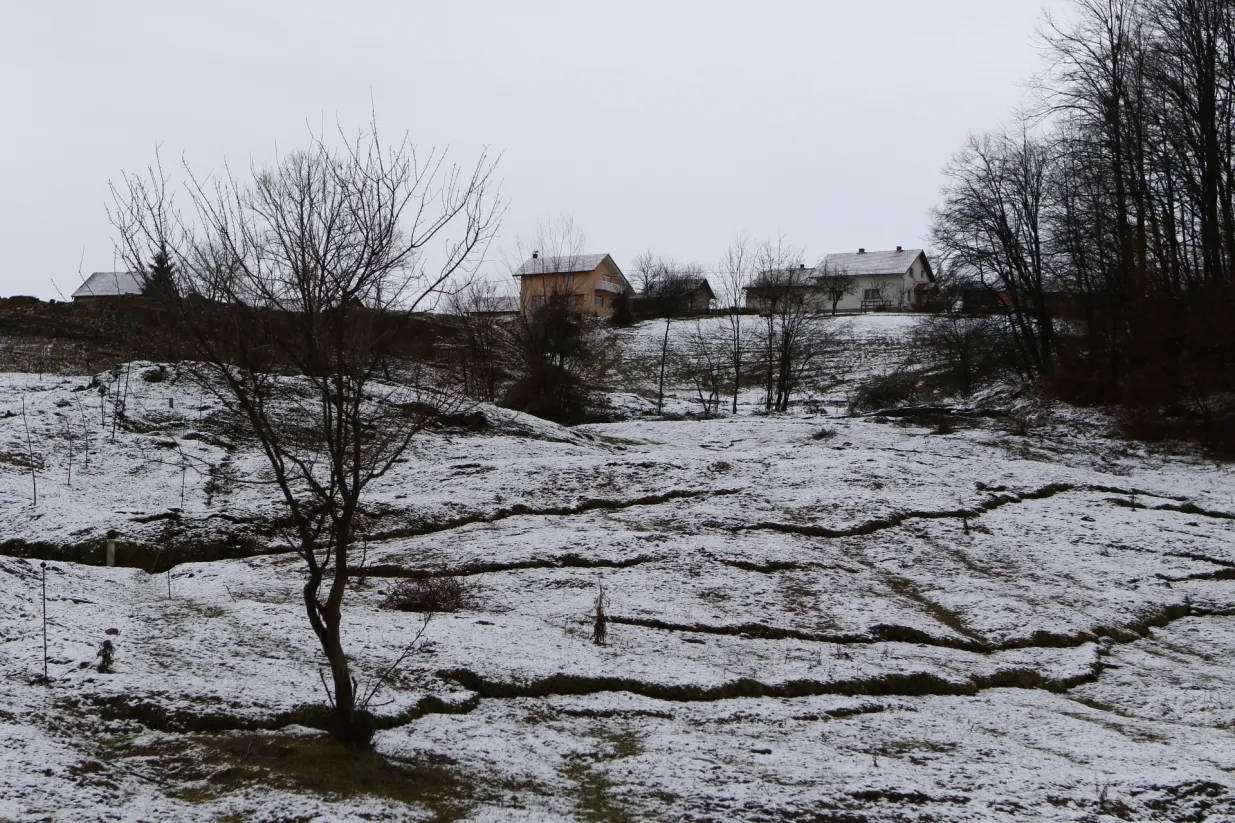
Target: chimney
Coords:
[[861, 251], [535, 255], [898, 248]]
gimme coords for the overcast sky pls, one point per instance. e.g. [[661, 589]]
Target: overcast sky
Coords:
[[664, 125]]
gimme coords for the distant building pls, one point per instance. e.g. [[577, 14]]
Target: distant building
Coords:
[[104, 284], [588, 282], [698, 300], [678, 297], [859, 282], [878, 280]]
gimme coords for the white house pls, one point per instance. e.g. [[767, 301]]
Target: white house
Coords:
[[874, 281]]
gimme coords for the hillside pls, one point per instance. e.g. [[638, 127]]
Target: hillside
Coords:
[[811, 618]]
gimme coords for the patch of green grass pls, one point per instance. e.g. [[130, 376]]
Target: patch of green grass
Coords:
[[801, 598], [1133, 732], [943, 614], [594, 800], [715, 595], [204, 767]]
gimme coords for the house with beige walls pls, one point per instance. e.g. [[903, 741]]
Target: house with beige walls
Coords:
[[588, 282]]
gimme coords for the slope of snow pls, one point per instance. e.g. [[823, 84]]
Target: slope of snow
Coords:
[[883, 624]]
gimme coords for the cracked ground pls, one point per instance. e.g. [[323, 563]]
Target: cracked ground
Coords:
[[882, 624]]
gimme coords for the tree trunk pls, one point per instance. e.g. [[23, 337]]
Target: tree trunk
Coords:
[[349, 725], [664, 356]]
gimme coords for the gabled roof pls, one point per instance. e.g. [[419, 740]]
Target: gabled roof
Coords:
[[873, 263], [110, 284], [702, 283], [572, 264]]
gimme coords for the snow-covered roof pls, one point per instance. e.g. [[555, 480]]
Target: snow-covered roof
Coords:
[[561, 265], [870, 263], [109, 284]]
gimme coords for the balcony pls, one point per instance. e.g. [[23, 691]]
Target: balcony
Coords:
[[609, 286]]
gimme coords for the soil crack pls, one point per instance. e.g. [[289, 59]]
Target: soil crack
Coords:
[[1132, 631], [523, 510], [893, 684], [990, 504], [566, 561]]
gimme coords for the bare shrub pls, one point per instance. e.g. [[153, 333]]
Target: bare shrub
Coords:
[[600, 620], [703, 363], [1021, 422], [965, 348], [560, 354], [886, 392], [480, 354], [823, 434], [155, 375], [106, 656], [444, 593]]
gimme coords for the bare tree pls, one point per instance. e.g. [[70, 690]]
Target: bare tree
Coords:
[[298, 283], [664, 363], [790, 333], [552, 237], [646, 271], [554, 343], [836, 284], [32, 461], [559, 354], [555, 245], [666, 287], [734, 276], [1105, 232], [993, 223], [891, 293], [478, 309], [965, 346], [702, 362], [677, 290]]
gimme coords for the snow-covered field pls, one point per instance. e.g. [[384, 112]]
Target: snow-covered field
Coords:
[[876, 624], [862, 346]]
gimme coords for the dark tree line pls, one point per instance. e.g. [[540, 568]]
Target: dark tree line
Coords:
[[1107, 223]]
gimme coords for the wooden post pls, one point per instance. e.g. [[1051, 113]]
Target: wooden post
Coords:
[[111, 552]]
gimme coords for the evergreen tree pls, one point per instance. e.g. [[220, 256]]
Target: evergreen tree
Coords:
[[160, 281], [622, 314]]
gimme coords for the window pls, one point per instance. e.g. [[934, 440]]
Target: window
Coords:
[[570, 279], [608, 279], [871, 294], [600, 301], [538, 301]]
